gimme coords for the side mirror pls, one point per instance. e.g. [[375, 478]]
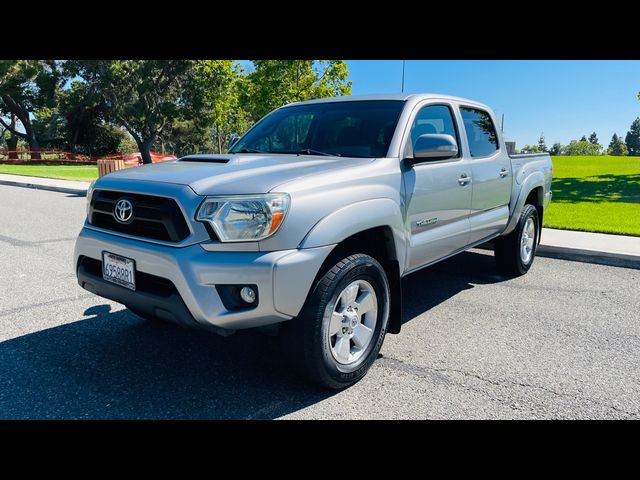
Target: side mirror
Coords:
[[432, 146], [233, 138]]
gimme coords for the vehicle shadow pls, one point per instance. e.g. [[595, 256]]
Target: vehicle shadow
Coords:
[[429, 287], [115, 365]]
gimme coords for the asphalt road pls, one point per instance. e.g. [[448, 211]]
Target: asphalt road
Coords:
[[561, 342]]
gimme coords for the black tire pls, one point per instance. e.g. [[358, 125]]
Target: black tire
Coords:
[[305, 339], [507, 249]]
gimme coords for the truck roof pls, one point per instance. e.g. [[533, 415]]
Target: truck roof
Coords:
[[415, 97]]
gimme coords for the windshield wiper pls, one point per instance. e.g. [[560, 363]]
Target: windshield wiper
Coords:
[[308, 151], [249, 150]]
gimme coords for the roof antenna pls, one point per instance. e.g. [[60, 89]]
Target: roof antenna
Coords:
[[403, 61]]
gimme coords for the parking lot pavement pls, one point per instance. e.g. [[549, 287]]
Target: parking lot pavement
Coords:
[[560, 342]]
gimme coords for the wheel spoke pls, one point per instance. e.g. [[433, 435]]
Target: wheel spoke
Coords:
[[335, 326], [349, 295], [365, 303], [354, 318], [343, 349], [362, 335]]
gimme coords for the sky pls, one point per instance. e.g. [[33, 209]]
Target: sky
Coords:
[[565, 99]]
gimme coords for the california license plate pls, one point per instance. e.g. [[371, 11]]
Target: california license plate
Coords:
[[119, 270]]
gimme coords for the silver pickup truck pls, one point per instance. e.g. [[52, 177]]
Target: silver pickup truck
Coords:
[[311, 220]]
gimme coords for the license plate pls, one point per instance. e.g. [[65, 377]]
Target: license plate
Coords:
[[119, 270]]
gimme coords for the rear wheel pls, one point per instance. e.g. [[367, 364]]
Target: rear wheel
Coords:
[[515, 252], [340, 330]]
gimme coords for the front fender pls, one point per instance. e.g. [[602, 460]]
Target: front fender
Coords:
[[355, 218]]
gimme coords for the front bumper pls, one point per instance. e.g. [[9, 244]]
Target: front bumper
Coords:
[[283, 279]]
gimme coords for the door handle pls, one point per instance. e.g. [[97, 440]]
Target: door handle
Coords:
[[464, 179], [503, 172]]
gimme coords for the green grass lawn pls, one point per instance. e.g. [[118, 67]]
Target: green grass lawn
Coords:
[[595, 194], [84, 173]]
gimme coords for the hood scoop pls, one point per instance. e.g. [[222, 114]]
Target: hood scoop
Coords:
[[204, 159]]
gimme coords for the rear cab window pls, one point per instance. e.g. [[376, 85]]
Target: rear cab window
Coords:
[[480, 131]]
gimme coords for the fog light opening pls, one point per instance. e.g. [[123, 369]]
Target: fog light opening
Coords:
[[248, 294]]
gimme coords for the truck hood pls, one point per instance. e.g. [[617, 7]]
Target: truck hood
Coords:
[[236, 174]]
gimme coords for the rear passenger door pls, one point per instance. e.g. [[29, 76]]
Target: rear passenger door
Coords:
[[491, 174], [438, 193]]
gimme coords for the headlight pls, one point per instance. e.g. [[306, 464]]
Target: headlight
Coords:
[[89, 194], [244, 218]]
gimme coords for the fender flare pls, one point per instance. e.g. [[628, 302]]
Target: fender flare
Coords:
[[358, 217], [533, 181]]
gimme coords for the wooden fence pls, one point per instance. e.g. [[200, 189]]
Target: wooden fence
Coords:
[[107, 165]]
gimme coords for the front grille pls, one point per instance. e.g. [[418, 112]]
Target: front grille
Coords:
[[154, 217], [145, 282]]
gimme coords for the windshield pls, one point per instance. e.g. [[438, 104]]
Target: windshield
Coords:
[[348, 129]]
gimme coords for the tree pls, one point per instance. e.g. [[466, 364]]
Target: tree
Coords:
[[542, 146], [581, 148], [145, 96], [617, 147], [27, 86], [632, 139], [584, 138], [222, 82], [274, 83], [556, 149], [530, 149], [593, 138]]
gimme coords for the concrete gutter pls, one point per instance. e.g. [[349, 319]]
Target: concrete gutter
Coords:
[[41, 183]]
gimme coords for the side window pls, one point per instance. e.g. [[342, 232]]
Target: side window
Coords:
[[481, 133], [434, 119]]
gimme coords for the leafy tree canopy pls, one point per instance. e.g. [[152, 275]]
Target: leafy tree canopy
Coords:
[[632, 139], [26, 87], [581, 148], [274, 83], [617, 146]]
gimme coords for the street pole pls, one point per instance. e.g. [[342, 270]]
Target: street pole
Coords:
[[403, 61]]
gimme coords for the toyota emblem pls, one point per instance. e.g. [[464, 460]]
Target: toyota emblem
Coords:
[[123, 211]]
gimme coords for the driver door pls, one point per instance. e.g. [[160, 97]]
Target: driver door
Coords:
[[438, 193]]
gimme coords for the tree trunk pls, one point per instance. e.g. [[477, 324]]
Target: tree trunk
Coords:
[[145, 150], [34, 146], [12, 145], [12, 141], [73, 146], [219, 140], [23, 115]]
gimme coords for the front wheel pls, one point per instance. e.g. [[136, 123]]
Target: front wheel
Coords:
[[340, 330], [515, 252]]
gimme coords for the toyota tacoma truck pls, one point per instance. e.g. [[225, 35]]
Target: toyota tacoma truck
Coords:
[[311, 220]]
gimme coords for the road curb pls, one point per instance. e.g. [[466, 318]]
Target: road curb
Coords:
[[589, 256], [53, 188], [581, 255]]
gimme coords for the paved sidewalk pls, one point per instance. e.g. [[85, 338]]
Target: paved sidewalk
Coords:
[[65, 186], [603, 248], [616, 250]]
